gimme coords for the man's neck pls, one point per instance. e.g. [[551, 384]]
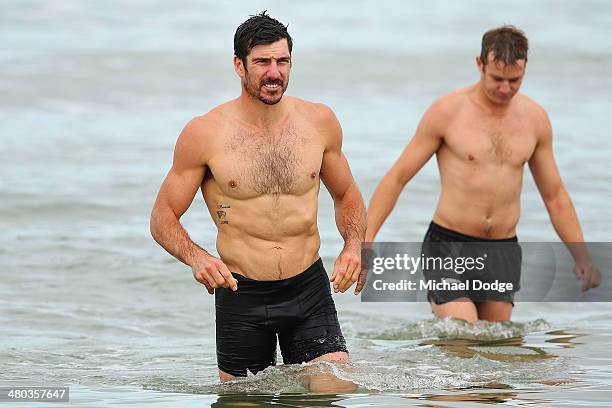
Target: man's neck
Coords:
[[259, 114]]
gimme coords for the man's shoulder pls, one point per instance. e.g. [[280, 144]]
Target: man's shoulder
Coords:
[[454, 98], [208, 124], [536, 115], [319, 117], [214, 117], [531, 107], [197, 139], [314, 111], [447, 106]]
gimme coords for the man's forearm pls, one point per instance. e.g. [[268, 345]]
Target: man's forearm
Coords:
[[351, 217], [565, 221], [170, 234], [382, 202]]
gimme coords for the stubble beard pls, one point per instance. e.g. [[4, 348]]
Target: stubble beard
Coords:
[[255, 92]]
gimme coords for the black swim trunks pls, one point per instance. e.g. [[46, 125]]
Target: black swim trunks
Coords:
[[492, 260], [299, 310]]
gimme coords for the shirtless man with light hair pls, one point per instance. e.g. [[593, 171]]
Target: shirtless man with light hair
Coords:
[[483, 136], [259, 160]]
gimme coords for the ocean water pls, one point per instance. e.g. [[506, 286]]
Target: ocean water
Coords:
[[92, 97]]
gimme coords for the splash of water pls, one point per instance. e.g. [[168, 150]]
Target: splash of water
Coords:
[[456, 328]]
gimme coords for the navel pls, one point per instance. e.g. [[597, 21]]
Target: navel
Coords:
[[470, 157], [488, 227]]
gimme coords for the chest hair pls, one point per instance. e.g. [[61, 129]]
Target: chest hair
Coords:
[[271, 160]]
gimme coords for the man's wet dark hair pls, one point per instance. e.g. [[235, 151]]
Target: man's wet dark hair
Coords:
[[508, 43], [260, 29]]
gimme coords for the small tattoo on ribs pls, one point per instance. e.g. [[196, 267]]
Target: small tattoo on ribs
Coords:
[[222, 215]]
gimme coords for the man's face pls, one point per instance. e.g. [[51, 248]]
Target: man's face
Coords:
[[500, 82], [266, 74]]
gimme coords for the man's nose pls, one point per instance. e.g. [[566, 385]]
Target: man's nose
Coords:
[[505, 87], [273, 70]]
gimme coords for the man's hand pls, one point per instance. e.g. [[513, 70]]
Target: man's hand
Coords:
[[213, 273], [347, 269], [590, 275], [361, 281]]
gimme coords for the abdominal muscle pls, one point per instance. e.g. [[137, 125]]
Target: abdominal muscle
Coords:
[[484, 203], [270, 237]]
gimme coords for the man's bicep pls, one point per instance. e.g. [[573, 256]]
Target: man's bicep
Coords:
[[187, 172], [544, 167], [179, 188], [425, 142], [336, 173]]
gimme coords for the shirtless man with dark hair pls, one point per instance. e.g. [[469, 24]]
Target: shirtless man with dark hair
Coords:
[[483, 136], [259, 160]]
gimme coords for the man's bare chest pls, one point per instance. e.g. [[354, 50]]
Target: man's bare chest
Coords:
[[508, 142], [282, 161]]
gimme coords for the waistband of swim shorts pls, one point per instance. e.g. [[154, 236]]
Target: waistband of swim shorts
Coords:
[[301, 278], [454, 235]]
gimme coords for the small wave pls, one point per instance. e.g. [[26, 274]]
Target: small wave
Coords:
[[275, 379], [463, 356], [431, 369], [296, 379], [456, 328]]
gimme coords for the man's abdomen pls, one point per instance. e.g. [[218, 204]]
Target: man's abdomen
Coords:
[[268, 260], [491, 214]]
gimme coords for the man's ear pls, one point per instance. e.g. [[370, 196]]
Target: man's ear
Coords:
[[239, 67], [480, 65]]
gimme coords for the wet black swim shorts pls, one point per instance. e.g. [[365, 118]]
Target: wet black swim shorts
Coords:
[[500, 260], [299, 310]]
